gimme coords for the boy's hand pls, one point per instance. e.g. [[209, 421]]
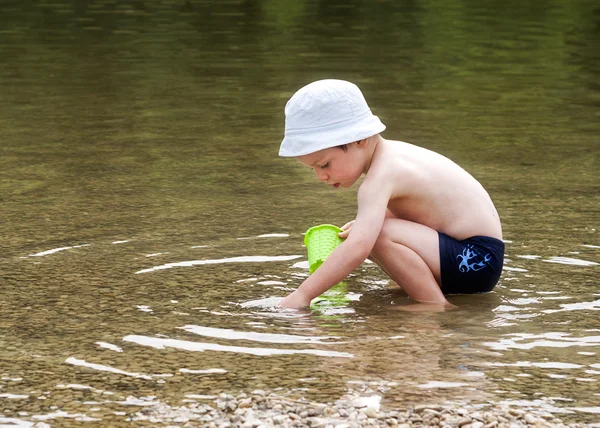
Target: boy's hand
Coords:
[[295, 300], [346, 230]]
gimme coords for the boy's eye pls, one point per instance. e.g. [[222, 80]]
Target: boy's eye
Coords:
[[325, 165]]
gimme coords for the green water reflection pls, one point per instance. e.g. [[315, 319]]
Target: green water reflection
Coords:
[[158, 123]]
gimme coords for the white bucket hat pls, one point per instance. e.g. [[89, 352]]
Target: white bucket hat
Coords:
[[326, 113]]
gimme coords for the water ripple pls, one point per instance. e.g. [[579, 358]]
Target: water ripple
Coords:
[[551, 340], [159, 343], [545, 365], [56, 250], [205, 371], [592, 306], [570, 261], [223, 333], [109, 346], [241, 259], [100, 367]]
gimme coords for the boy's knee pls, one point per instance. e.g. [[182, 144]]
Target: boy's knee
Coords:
[[390, 238], [385, 237], [381, 244], [384, 240]]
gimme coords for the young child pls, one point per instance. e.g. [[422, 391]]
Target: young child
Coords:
[[423, 219]]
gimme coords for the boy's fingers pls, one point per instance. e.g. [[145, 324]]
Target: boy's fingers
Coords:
[[347, 225]]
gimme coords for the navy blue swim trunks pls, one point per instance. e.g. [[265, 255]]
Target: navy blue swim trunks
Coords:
[[472, 265]]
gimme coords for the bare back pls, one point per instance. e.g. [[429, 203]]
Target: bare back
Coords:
[[432, 190]]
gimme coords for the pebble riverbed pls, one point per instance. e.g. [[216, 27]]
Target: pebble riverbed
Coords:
[[262, 409]]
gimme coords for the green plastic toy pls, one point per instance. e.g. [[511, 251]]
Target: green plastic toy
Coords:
[[320, 241], [334, 297]]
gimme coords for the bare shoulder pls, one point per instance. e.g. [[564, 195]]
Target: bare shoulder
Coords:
[[417, 165], [393, 168]]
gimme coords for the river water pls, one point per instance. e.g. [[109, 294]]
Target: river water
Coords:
[[142, 203]]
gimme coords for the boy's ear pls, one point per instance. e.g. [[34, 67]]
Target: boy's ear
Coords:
[[362, 142]]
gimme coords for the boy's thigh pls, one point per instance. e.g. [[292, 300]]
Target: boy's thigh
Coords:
[[422, 239]]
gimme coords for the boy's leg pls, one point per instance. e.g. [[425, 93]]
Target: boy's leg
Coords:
[[409, 253]]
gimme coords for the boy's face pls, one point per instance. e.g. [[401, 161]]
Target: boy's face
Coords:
[[335, 166]]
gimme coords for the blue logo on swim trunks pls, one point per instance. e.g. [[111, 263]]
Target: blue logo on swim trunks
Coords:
[[469, 254]]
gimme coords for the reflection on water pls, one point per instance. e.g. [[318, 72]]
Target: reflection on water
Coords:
[[570, 261], [160, 343], [143, 205], [56, 250], [100, 367], [253, 336], [243, 259]]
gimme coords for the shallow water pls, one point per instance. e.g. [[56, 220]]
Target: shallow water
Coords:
[[143, 204]]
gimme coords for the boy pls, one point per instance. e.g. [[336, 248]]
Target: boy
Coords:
[[423, 219]]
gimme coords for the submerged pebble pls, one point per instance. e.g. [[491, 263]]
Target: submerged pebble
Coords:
[[260, 409]]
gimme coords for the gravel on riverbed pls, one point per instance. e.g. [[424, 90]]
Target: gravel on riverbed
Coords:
[[259, 409]]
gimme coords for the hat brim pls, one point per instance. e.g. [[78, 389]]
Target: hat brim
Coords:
[[310, 141]]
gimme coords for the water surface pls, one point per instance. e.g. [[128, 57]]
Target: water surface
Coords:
[[143, 203]]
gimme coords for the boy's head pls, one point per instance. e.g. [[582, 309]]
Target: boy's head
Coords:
[[324, 114]]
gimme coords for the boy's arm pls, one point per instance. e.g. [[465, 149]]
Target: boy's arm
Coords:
[[373, 197], [348, 226]]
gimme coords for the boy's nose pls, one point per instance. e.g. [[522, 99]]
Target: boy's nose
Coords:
[[321, 175]]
